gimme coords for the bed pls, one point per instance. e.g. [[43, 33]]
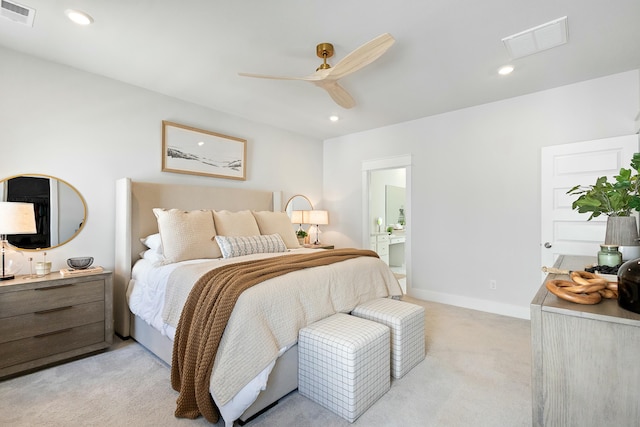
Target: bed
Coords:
[[135, 219]]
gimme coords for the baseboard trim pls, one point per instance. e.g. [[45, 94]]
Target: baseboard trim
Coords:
[[473, 303]]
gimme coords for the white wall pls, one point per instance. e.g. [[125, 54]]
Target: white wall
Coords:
[[89, 131], [476, 186]]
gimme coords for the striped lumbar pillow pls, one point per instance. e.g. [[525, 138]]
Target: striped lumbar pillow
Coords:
[[233, 246]]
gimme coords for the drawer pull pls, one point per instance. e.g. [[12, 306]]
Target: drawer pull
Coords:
[[53, 333], [53, 287], [52, 310]]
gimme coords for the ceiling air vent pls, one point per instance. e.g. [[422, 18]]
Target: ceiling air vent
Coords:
[[17, 12], [537, 39]]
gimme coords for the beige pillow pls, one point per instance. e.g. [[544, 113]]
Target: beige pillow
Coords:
[[240, 223], [187, 235], [277, 223]]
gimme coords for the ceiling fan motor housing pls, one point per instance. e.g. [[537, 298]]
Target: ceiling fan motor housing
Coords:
[[324, 51]]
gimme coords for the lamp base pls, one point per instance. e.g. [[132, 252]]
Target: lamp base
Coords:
[[7, 277]]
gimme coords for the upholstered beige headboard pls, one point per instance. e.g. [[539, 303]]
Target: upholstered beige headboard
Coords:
[[135, 219]]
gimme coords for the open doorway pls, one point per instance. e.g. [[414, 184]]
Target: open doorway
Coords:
[[386, 213]]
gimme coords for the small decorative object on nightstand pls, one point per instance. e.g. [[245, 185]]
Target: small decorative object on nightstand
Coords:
[[80, 263], [301, 235], [43, 267], [49, 319]]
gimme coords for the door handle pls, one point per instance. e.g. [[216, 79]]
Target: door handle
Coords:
[[547, 245]]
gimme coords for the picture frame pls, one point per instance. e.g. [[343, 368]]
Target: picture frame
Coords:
[[194, 151]]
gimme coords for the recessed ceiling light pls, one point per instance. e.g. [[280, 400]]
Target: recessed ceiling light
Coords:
[[507, 69], [334, 118], [78, 17]]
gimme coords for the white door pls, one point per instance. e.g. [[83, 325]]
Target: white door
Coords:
[[565, 231]]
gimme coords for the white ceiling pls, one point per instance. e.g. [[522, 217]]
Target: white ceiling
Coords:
[[445, 56]]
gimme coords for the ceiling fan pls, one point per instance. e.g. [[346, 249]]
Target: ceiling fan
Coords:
[[326, 77]]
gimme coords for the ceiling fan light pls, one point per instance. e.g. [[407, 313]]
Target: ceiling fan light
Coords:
[[78, 17], [334, 118]]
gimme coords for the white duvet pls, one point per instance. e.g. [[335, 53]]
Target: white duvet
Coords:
[[146, 296]]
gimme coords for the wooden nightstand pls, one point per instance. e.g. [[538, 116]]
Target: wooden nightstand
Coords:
[[320, 246], [52, 318]]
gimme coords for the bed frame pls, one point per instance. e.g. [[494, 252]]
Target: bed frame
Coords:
[[135, 219]]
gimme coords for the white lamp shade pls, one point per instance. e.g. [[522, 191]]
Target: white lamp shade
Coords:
[[317, 217], [296, 217], [17, 218]]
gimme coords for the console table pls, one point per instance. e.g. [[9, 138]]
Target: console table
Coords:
[[585, 359]]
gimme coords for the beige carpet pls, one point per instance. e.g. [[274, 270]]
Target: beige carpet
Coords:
[[476, 373]]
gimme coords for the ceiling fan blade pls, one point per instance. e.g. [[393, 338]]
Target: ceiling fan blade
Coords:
[[310, 78], [337, 93], [361, 57]]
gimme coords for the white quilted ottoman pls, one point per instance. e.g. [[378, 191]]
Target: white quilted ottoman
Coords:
[[406, 321], [344, 364]]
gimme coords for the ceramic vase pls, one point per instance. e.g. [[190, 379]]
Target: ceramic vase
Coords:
[[621, 231]]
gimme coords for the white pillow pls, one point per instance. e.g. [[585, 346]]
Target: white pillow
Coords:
[[152, 256], [153, 242], [240, 223], [187, 235], [233, 246], [277, 223]]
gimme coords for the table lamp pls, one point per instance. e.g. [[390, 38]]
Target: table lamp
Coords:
[[296, 218], [15, 218], [317, 218]]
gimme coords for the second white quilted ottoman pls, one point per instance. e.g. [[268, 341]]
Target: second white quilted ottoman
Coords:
[[406, 321], [344, 364]]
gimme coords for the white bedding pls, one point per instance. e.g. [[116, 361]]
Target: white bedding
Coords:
[[146, 295], [146, 291]]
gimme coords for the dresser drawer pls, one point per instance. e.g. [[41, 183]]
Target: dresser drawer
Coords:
[[24, 350], [50, 297], [383, 238], [46, 321], [383, 249], [397, 239]]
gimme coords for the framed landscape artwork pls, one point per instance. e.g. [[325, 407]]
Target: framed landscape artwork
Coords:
[[193, 151]]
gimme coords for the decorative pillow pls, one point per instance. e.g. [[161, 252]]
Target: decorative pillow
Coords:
[[233, 246], [153, 242], [187, 235], [277, 223], [240, 223]]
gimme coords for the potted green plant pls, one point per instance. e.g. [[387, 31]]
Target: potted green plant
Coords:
[[301, 234], [617, 200]]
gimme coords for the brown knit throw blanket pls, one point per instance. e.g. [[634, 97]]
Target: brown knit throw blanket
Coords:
[[205, 315]]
